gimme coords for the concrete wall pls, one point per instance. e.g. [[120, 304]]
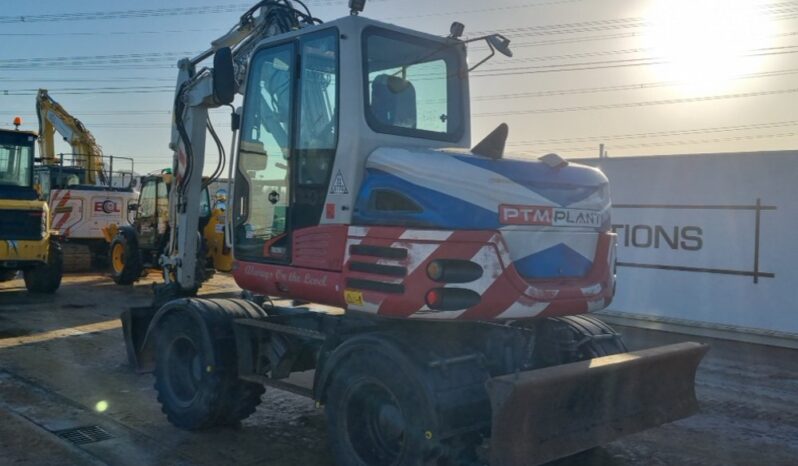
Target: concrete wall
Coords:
[[708, 241]]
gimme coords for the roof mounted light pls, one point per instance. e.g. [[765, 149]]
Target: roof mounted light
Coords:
[[356, 6], [17, 122]]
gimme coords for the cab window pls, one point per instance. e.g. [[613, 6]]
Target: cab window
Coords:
[[147, 205], [413, 85]]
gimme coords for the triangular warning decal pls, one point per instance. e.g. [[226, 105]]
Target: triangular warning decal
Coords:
[[338, 186]]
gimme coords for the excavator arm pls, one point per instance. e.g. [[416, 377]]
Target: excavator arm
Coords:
[[54, 118]]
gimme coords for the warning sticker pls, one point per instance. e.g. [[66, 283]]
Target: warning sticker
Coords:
[[338, 186], [353, 297]]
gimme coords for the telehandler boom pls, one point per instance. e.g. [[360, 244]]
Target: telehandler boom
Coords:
[[451, 286]]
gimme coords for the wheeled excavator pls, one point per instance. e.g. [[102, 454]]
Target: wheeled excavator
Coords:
[[445, 291], [86, 190]]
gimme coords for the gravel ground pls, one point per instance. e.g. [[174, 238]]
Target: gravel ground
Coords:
[[62, 358]]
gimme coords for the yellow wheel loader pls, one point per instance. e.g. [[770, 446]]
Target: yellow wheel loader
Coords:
[[27, 244]]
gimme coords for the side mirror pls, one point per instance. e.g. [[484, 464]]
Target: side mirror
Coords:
[[224, 82], [132, 207], [496, 42], [500, 43]]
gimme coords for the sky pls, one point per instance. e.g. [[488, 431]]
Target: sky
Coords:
[[644, 77]]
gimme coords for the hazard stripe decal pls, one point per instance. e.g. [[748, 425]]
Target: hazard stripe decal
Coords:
[[62, 217]]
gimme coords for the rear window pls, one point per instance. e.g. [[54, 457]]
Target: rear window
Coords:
[[413, 85]]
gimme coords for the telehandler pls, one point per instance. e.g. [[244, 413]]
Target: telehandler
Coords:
[[136, 248], [451, 287]]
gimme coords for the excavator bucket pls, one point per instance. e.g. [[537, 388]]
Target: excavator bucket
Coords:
[[546, 414]]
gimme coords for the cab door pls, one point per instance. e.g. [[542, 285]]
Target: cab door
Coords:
[[147, 214], [287, 144]]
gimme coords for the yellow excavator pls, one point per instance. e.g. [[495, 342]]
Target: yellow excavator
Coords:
[[86, 190]]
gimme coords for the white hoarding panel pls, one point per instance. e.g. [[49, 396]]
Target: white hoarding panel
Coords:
[[708, 239]]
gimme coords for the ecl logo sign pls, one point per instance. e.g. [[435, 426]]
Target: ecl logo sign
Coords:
[[109, 207]]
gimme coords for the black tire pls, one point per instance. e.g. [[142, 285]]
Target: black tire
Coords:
[[377, 413], [46, 278], [7, 275], [125, 260], [562, 340], [192, 394]]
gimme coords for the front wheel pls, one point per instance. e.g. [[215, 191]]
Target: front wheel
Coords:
[[125, 259], [46, 278], [376, 414], [193, 394]]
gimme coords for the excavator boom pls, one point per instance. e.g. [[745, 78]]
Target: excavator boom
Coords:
[[85, 150]]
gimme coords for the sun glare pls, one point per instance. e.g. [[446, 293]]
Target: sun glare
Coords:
[[706, 43]]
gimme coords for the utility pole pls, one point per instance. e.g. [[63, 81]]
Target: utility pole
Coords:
[[602, 152]]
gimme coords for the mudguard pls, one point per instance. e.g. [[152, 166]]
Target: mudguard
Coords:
[[546, 414], [214, 318]]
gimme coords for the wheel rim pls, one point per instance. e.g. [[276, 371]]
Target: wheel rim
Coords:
[[184, 371], [375, 424], [118, 257]]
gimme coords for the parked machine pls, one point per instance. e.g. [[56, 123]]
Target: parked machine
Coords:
[[451, 286], [27, 243], [86, 190], [135, 248]]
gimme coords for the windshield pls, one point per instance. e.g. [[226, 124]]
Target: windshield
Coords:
[[16, 160], [414, 86]]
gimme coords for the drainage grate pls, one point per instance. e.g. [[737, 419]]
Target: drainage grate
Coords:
[[84, 435]]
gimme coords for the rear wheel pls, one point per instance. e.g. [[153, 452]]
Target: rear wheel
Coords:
[[376, 414], [125, 259], [46, 278], [193, 394]]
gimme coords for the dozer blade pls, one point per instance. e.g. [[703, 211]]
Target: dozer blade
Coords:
[[546, 414]]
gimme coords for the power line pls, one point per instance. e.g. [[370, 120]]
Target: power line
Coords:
[[487, 10], [127, 61], [145, 13], [680, 142], [108, 33], [590, 66], [623, 87], [637, 104], [484, 98], [630, 22], [123, 14], [648, 103], [721, 129]]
